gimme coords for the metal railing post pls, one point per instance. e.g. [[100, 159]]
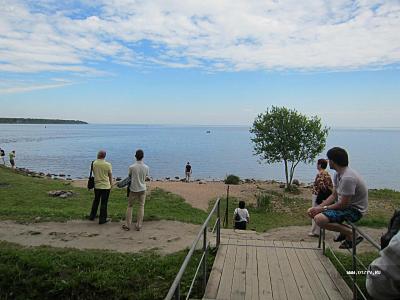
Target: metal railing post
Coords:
[[319, 238], [353, 256], [174, 291], [205, 259], [177, 294], [218, 224]]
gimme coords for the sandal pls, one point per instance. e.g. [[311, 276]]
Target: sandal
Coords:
[[349, 244], [126, 228], [340, 237]]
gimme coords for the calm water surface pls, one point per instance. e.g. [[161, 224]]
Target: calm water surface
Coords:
[[69, 149]]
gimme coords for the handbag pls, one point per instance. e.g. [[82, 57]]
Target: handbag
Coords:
[[323, 195], [237, 217], [128, 188], [126, 182], [90, 183]]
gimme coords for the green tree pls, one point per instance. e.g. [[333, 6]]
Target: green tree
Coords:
[[282, 134]]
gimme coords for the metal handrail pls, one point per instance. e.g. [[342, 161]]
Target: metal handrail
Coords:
[[174, 290], [352, 274]]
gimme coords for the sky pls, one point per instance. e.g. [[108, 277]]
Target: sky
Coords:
[[200, 62]]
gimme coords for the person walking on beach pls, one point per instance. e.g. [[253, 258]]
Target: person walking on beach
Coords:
[[188, 172], [322, 189], [2, 155], [351, 193], [102, 172], [12, 156], [138, 172]]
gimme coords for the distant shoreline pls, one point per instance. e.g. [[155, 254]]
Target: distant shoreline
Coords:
[[38, 121]]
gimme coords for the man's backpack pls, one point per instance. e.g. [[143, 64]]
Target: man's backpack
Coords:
[[393, 229]]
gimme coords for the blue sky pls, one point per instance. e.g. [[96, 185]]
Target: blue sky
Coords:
[[201, 62]]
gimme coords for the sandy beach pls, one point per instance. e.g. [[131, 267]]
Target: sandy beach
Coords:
[[199, 195]]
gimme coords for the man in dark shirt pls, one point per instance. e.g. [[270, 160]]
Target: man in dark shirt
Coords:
[[188, 171]]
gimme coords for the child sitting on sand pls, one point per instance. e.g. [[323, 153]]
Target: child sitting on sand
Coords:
[[241, 216]]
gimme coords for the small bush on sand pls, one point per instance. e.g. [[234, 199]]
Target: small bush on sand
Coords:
[[232, 179]]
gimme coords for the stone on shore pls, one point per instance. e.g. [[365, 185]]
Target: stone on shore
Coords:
[[61, 194]]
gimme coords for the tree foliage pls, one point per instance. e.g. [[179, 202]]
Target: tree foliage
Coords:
[[282, 134]]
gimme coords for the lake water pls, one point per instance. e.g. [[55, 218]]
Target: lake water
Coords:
[[69, 149]]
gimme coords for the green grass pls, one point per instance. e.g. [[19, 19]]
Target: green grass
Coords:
[[24, 198], [346, 260], [50, 273], [279, 209], [54, 273]]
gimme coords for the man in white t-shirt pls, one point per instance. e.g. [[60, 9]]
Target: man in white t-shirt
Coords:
[[138, 172], [241, 216]]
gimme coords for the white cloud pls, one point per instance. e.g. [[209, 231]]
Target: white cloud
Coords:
[[23, 89], [42, 36]]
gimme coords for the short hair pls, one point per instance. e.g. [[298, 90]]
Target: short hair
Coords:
[[101, 154], [338, 156], [139, 154], [242, 204], [322, 162]]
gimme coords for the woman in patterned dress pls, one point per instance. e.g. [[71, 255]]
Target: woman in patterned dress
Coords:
[[321, 190]]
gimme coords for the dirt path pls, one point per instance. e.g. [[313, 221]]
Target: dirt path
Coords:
[[162, 236]]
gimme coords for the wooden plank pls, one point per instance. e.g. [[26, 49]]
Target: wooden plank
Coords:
[[301, 279], [251, 271], [238, 291], [225, 286], [277, 282], [326, 280], [216, 272], [263, 272], [312, 277], [343, 288], [292, 292]]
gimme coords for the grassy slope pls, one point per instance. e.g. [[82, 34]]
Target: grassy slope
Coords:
[[54, 273], [49, 273], [346, 261], [281, 209], [24, 198]]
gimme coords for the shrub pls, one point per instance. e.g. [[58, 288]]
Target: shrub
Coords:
[[293, 190], [264, 201], [232, 179]]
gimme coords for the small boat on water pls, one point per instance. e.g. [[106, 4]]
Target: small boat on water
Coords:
[[208, 131]]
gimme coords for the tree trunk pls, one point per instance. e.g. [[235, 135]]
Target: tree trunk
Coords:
[[287, 175], [291, 173], [294, 165]]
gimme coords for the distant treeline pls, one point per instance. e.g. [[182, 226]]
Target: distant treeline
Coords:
[[38, 121]]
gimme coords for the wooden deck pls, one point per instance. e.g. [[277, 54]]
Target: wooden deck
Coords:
[[261, 269]]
